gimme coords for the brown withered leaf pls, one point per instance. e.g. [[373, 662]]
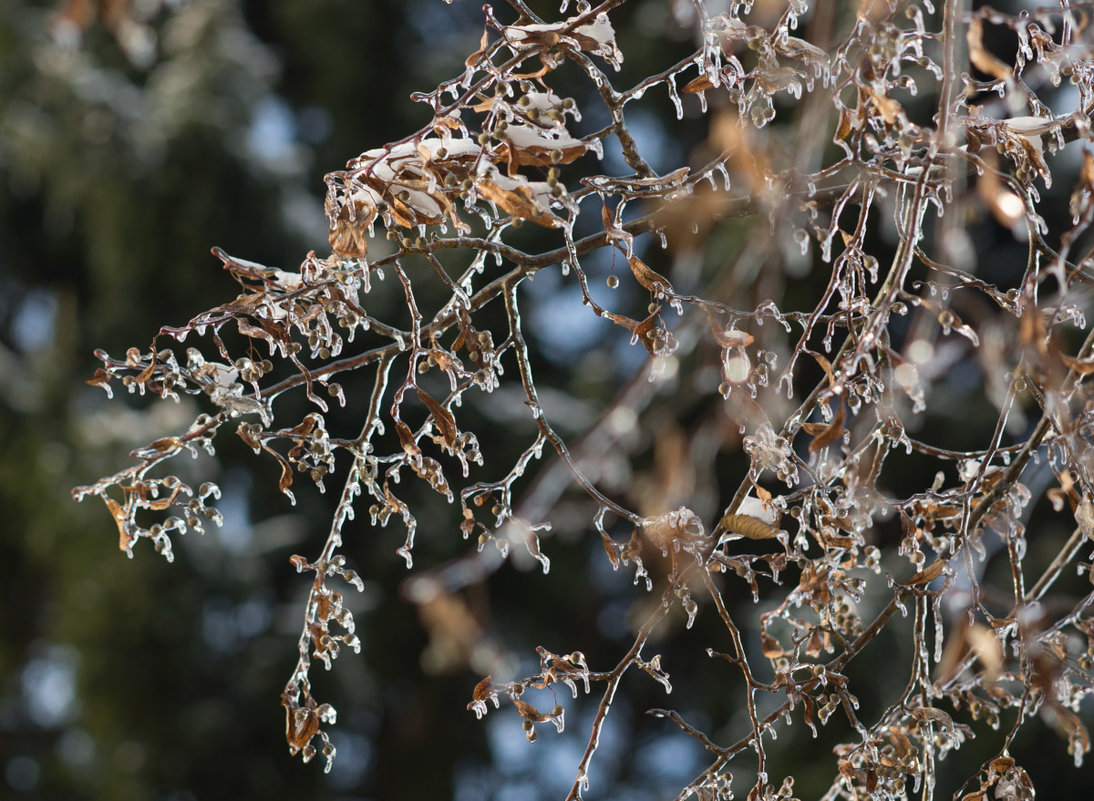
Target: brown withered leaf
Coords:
[[484, 43], [988, 648], [891, 111], [318, 632], [1031, 328], [1080, 366], [907, 525], [246, 434], [145, 374], [285, 481], [302, 430], [817, 643], [927, 574], [825, 365], [543, 154], [933, 715], [406, 438], [484, 689], [616, 234], [409, 216], [265, 329], [529, 712], [349, 234], [764, 496], [836, 541], [467, 524], [770, 646], [979, 55], [699, 84], [120, 514], [748, 526], [641, 329], [830, 433], [871, 780], [1086, 172], [301, 723], [519, 202], [611, 550], [901, 744], [808, 710], [101, 377], [161, 445], [846, 768], [160, 504], [843, 130], [1071, 726], [651, 280], [441, 416]]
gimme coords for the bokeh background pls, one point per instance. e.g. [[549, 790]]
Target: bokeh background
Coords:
[[135, 135]]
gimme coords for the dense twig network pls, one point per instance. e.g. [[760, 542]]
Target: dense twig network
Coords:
[[902, 109]]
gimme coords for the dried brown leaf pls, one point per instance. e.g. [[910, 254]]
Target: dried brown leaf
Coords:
[[441, 416], [1080, 366], [484, 690], [301, 723], [979, 55], [830, 433], [120, 514], [529, 712], [348, 234], [519, 202], [699, 84], [770, 646], [641, 329], [749, 527], [651, 280], [406, 439], [986, 645], [927, 574]]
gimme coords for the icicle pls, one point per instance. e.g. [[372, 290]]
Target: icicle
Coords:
[[674, 96], [721, 169], [938, 632]]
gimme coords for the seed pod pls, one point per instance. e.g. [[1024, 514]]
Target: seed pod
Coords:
[[749, 527]]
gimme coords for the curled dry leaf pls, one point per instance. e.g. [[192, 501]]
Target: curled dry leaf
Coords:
[[520, 198], [651, 280], [828, 434], [441, 416], [749, 527], [301, 722], [484, 690], [529, 712], [641, 329]]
